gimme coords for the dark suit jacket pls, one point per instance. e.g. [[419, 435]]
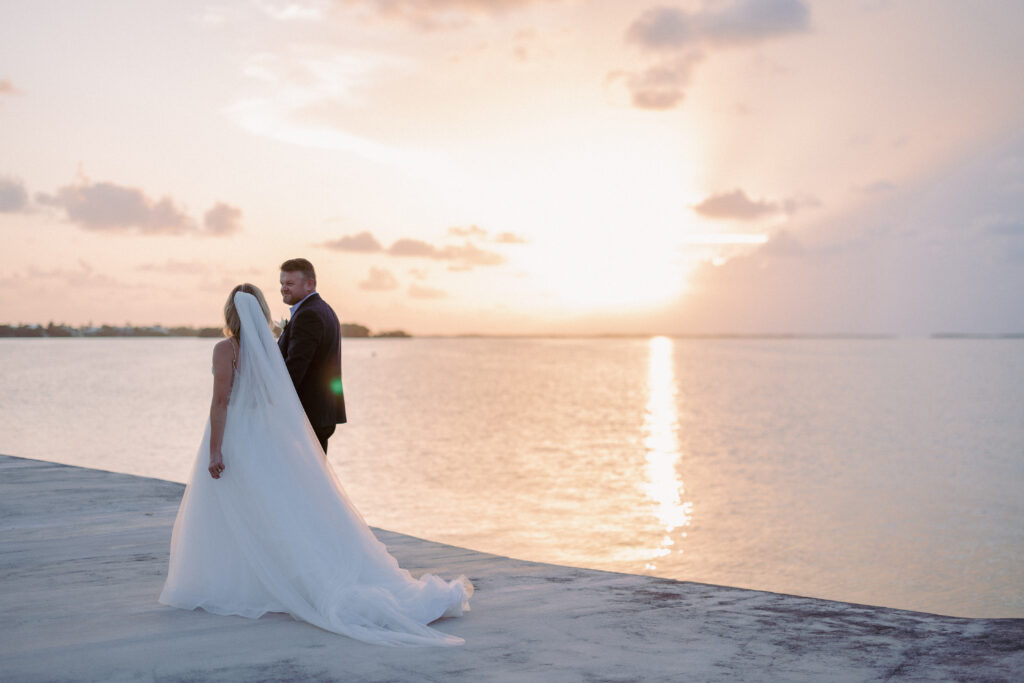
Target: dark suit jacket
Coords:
[[311, 346]]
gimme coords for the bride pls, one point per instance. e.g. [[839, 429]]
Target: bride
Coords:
[[264, 525]]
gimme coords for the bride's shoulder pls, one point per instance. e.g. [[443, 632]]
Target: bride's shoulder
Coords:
[[223, 352]]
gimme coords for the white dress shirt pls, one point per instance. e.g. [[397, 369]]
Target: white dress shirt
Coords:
[[296, 306]]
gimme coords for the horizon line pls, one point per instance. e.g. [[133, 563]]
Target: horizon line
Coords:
[[547, 335]]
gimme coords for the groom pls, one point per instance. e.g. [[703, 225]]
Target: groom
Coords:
[[311, 346]]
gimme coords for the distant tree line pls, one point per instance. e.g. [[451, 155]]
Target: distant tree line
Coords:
[[52, 330]]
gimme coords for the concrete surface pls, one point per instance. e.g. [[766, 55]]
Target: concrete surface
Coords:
[[83, 555]]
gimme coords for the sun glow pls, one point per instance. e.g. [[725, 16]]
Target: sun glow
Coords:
[[605, 209], [596, 278]]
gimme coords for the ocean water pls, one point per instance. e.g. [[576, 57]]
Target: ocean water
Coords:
[[886, 472]]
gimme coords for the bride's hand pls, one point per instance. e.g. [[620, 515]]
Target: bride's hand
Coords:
[[216, 465]]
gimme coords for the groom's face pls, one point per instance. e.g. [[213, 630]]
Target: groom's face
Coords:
[[295, 287]]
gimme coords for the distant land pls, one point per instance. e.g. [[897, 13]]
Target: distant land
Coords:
[[355, 331], [349, 330]]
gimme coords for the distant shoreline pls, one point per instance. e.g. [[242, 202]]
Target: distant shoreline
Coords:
[[52, 331], [157, 332]]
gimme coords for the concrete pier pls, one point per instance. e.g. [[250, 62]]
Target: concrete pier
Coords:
[[83, 556]]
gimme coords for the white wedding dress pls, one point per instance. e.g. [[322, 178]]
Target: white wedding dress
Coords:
[[276, 532]]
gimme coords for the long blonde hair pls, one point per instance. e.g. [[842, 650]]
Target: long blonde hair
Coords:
[[232, 325]]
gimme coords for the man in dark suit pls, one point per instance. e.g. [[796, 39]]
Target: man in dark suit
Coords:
[[311, 346]]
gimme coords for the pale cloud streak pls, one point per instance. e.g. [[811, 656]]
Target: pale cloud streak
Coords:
[[736, 205], [422, 292], [361, 242], [471, 231], [83, 277], [13, 196], [740, 22], [662, 85], [106, 206], [463, 256], [222, 220], [714, 239], [175, 267], [475, 231], [509, 238], [412, 247], [379, 280], [439, 14], [303, 88], [273, 118], [291, 10], [681, 39]]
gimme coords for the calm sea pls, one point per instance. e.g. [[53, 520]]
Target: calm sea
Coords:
[[887, 472]]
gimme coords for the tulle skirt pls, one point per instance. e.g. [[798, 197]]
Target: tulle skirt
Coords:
[[276, 533]]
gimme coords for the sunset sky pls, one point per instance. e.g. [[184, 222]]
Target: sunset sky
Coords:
[[519, 166]]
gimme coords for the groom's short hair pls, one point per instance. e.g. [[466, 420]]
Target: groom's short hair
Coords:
[[299, 265]]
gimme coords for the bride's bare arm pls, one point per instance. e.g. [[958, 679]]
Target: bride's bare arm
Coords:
[[223, 374]]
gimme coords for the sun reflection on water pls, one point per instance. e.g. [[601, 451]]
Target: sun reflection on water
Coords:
[[663, 485]]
